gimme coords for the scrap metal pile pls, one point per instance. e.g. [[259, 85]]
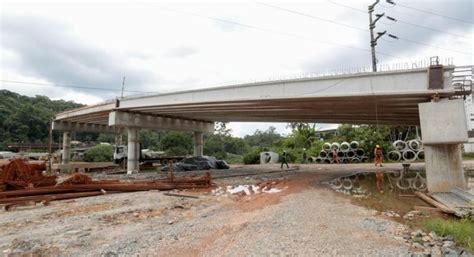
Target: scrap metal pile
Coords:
[[18, 174], [21, 182], [346, 153], [409, 151]]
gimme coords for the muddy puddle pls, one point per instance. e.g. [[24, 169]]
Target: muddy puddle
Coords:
[[383, 191]]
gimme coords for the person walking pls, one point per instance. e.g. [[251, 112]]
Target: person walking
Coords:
[[378, 155], [335, 158], [284, 160]]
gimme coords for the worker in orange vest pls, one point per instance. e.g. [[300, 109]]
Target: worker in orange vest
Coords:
[[378, 155]]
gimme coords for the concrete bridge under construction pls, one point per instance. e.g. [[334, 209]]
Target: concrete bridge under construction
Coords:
[[426, 96]]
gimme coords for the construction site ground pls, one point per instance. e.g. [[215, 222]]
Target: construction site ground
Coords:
[[303, 217]]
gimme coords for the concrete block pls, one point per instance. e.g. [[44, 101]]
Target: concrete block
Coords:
[[444, 169], [443, 122]]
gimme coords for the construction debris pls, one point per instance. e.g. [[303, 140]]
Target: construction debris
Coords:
[[20, 174], [457, 202], [22, 182]]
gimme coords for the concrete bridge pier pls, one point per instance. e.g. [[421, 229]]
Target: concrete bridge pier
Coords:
[[66, 147], [133, 151], [198, 147], [444, 129]]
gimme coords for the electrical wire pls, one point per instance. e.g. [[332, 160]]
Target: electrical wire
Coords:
[[435, 14], [366, 30], [272, 31], [432, 29], [68, 86], [402, 21], [312, 16], [433, 46]]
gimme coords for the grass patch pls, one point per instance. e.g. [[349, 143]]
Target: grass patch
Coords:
[[461, 230], [468, 156]]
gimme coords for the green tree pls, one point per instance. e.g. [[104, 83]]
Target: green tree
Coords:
[[177, 143], [99, 153], [266, 139]]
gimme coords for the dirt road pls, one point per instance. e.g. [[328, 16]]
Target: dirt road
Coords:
[[305, 218]]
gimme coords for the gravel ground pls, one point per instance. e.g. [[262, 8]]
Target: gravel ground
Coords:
[[305, 219]]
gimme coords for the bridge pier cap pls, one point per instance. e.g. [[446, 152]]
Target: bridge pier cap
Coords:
[[444, 129]]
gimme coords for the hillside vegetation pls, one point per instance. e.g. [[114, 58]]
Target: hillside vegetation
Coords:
[[26, 119]]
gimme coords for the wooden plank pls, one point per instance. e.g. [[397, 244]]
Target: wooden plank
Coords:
[[435, 203]]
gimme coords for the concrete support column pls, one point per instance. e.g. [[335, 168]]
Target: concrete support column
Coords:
[[66, 147], [198, 148], [133, 151], [443, 129], [444, 169]]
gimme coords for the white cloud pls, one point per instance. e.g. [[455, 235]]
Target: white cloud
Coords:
[[175, 45]]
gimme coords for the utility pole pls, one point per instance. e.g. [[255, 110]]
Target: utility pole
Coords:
[[123, 86], [373, 39]]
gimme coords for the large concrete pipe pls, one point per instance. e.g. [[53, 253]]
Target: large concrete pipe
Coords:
[[420, 155], [394, 156], [354, 145], [323, 154], [345, 146], [329, 155], [345, 160], [318, 160], [400, 145], [351, 154], [327, 161], [326, 147], [335, 146], [355, 160], [360, 152], [414, 145], [409, 155], [364, 159], [341, 154]]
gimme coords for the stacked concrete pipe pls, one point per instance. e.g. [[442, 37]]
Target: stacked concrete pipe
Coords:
[[407, 151], [348, 152]]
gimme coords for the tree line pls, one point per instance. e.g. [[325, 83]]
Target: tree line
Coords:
[[26, 119]]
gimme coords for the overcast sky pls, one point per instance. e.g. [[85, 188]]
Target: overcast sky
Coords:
[[167, 46]]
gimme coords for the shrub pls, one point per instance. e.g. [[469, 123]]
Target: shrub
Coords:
[[177, 150], [253, 156], [99, 153]]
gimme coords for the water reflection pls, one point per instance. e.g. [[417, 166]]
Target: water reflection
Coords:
[[404, 181]]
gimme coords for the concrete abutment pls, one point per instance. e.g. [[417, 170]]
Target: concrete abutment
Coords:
[[444, 129]]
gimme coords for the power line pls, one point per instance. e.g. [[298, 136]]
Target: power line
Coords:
[[436, 14], [402, 21], [357, 28], [433, 46], [432, 29], [311, 16], [271, 30], [68, 86]]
